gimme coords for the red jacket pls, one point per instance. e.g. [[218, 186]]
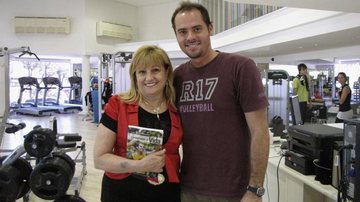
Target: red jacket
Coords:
[[127, 114]]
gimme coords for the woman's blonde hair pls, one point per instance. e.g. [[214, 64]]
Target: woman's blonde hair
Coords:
[[148, 56]]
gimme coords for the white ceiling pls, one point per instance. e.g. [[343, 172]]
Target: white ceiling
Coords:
[[345, 38], [140, 3], [332, 40], [333, 5]]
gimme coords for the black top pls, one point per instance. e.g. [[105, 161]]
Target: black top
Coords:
[[346, 105], [147, 120], [135, 188]]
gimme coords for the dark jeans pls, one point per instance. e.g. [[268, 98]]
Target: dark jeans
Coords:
[[303, 110]]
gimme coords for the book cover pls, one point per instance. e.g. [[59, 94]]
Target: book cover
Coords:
[[142, 141]]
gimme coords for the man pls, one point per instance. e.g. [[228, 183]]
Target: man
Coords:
[[302, 90], [223, 108]]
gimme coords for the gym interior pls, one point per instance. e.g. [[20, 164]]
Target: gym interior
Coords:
[[60, 62]]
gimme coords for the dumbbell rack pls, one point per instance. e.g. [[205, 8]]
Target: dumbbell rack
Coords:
[[66, 144], [77, 181], [80, 158]]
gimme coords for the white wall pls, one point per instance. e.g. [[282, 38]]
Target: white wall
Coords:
[[43, 43], [82, 39], [83, 14], [110, 11], [155, 21]]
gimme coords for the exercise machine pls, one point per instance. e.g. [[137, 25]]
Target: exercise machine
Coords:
[[54, 83], [75, 90], [6, 52], [278, 95], [43, 166], [31, 84]]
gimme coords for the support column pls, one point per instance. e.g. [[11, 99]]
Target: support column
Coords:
[[85, 74], [2, 86]]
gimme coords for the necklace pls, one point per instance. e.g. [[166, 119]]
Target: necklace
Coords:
[[156, 109]]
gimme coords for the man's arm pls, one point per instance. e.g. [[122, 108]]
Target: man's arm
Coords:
[[259, 154]]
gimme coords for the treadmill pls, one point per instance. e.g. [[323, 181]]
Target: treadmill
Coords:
[[31, 107], [75, 90], [54, 83]]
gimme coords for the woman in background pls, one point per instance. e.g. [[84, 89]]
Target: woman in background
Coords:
[[345, 110]]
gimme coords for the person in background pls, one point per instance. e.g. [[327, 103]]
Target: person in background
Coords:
[[301, 88], [149, 103], [345, 110], [223, 108]]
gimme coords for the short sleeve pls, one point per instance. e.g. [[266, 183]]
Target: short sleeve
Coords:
[[112, 107], [252, 95], [295, 83]]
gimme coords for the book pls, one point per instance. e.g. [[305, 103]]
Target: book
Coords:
[[143, 141]]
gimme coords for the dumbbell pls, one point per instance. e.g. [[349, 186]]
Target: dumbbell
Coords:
[[52, 176], [14, 179]]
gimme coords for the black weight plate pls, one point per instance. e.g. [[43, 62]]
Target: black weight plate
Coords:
[[9, 182], [8, 185], [25, 171], [40, 142], [51, 178], [67, 158]]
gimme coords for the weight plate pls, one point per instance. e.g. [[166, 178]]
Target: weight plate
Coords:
[[40, 142], [14, 180], [25, 171], [51, 178]]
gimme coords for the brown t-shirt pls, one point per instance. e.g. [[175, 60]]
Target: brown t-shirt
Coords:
[[212, 101]]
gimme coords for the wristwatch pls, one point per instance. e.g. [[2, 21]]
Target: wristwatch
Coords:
[[259, 191]]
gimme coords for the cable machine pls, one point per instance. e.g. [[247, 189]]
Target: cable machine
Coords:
[[6, 52], [113, 77], [121, 67], [278, 95], [105, 61]]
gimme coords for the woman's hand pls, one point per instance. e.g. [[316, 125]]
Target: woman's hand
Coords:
[[153, 162]]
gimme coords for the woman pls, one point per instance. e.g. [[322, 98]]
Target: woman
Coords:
[[345, 111], [149, 103]]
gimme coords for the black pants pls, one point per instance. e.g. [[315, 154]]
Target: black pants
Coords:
[[132, 189], [303, 110]]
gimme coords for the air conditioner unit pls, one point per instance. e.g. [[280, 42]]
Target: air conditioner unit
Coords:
[[114, 30], [42, 25]]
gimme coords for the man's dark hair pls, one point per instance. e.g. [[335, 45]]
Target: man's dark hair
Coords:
[[188, 6], [302, 66]]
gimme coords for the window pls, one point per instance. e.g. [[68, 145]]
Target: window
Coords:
[[20, 67]]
